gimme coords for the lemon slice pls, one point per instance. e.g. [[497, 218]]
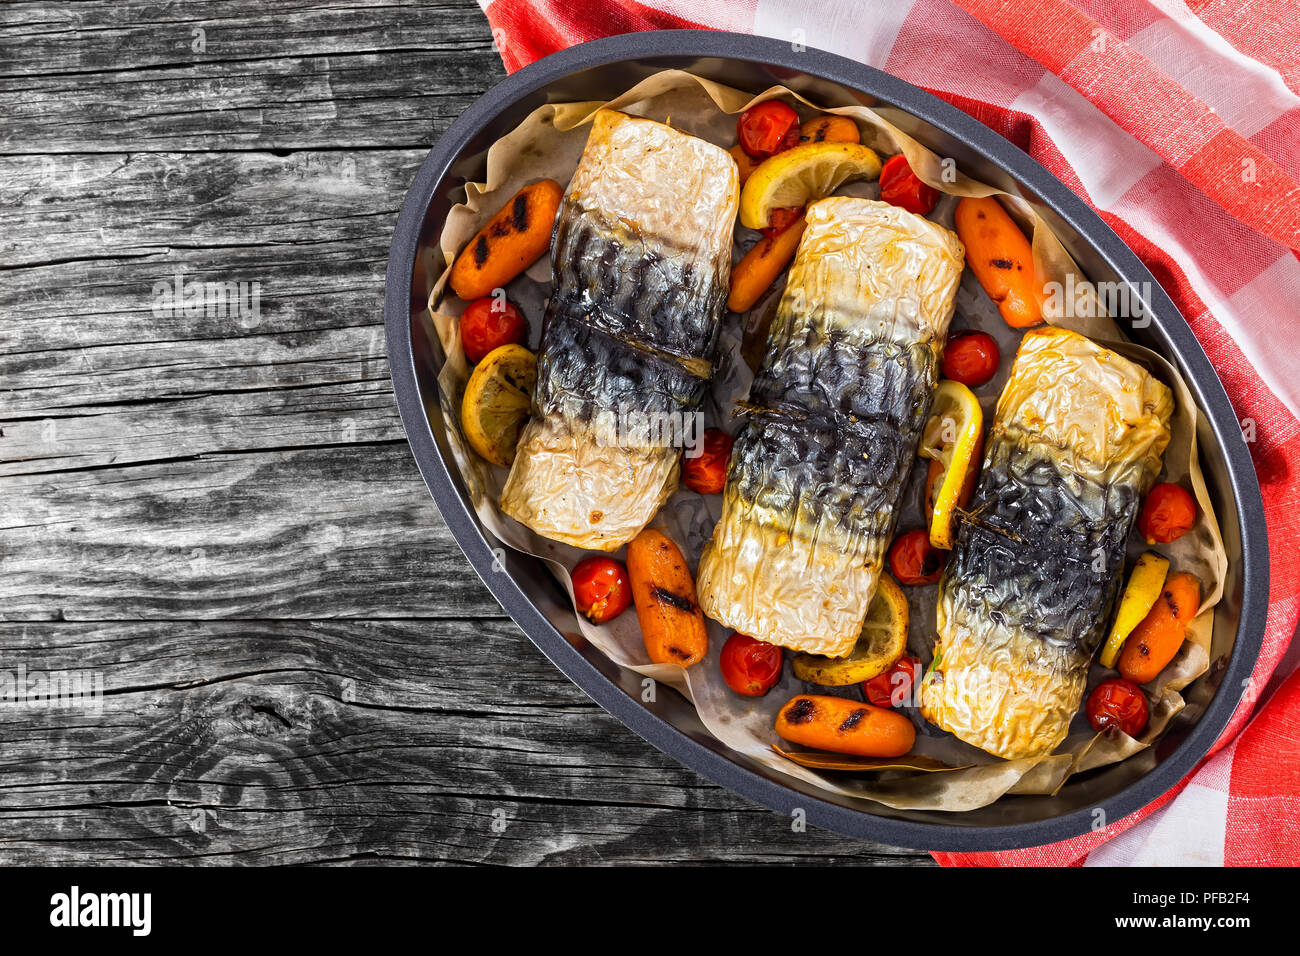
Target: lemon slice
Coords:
[[954, 438], [496, 402], [797, 176], [883, 640], [1145, 582]]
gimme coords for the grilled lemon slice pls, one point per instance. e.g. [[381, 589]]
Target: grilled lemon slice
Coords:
[[883, 641], [797, 176], [496, 402], [954, 439], [1145, 582]]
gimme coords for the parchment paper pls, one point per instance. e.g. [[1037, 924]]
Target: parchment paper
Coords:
[[547, 144]]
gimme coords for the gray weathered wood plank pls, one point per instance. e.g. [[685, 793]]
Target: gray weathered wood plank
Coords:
[[84, 305], [134, 205], [326, 532], [258, 741], [56, 380], [284, 417], [44, 38], [361, 100], [218, 514]]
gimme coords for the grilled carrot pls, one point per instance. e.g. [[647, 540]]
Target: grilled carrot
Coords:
[[745, 163], [829, 129], [1156, 640], [512, 240], [751, 276], [845, 726], [672, 624], [999, 255]]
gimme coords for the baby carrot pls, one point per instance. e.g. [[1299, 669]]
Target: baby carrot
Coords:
[[745, 163], [999, 255], [672, 624], [829, 129], [751, 276], [1156, 640], [845, 726], [513, 239]]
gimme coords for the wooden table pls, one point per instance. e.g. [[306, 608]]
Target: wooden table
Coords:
[[213, 511]]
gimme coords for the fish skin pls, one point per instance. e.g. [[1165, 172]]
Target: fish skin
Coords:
[[833, 421], [1037, 567], [630, 332]]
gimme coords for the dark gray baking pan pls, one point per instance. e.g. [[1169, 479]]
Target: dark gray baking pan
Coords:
[[604, 68]]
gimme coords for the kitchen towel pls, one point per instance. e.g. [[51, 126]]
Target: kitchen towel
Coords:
[[1179, 123]]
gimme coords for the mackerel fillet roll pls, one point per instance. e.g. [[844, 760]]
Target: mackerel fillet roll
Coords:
[[641, 260], [834, 417], [1029, 590]]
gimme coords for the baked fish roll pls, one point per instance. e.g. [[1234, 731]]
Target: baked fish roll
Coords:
[[1031, 583], [641, 260], [834, 417]]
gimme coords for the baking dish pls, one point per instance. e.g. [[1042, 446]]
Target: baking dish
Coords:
[[527, 591]]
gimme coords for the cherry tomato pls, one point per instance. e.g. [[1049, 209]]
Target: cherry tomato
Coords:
[[750, 666], [707, 471], [971, 358], [1168, 513], [1118, 703], [899, 186], [894, 686], [767, 128], [782, 219], [601, 589], [913, 560], [489, 323]]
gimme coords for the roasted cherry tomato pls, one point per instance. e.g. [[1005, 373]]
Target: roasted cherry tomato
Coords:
[[1118, 703], [707, 471], [913, 560], [489, 323], [767, 128], [895, 685], [1168, 513], [601, 589], [782, 219], [750, 666], [971, 358], [899, 186]]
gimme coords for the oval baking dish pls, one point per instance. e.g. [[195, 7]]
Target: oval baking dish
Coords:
[[601, 69]]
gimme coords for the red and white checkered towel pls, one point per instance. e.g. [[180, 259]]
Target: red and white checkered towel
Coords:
[[1179, 122]]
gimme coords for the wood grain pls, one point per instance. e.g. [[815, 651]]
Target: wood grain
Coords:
[[295, 741], [215, 514]]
